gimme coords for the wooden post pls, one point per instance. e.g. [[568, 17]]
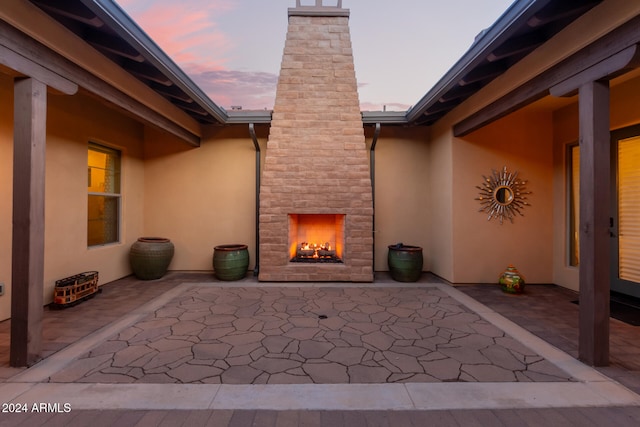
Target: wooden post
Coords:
[[27, 266], [595, 166]]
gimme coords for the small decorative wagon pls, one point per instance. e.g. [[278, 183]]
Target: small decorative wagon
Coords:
[[74, 289]]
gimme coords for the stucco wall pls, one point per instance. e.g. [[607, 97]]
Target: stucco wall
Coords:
[[201, 197], [483, 249], [402, 191], [71, 123]]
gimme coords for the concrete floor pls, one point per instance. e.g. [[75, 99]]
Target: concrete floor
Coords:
[[188, 347]]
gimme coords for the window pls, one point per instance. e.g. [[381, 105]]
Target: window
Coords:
[[574, 203], [104, 195]]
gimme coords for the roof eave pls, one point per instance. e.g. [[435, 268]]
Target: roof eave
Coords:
[[126, 28], [516, 16]]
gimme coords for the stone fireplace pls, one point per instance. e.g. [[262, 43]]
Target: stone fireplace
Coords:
[[316, 209]]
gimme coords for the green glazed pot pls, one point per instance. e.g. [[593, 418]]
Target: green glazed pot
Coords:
[[405, 262], [150, 257], [230, 262]]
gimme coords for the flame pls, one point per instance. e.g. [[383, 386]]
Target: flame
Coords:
[[317, 232]]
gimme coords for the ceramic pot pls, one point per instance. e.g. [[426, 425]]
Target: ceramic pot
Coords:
[[230, 262], [512, 281], [150, 257], [405, 262]]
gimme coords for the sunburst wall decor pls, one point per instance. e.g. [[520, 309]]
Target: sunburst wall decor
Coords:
[[503, 195]]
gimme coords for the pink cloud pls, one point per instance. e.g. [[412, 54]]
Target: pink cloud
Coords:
[[186, 31]]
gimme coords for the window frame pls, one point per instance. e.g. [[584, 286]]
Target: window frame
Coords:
[[572, 210], [117, 196]]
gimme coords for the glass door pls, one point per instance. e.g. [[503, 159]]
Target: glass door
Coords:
[[625, 222]]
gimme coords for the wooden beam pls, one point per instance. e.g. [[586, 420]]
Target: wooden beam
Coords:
[[27, 67], [595, 176], [102, 41], [628, 34], [20, 43], [73, 10], [27, 259], [517, 45], [607, 69]]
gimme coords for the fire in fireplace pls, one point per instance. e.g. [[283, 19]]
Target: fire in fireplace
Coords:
[[307, 232], [314, 252]]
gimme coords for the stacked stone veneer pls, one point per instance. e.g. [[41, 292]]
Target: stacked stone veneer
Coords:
[[316, 160]]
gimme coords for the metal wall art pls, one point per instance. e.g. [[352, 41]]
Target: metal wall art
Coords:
[[503, 195]]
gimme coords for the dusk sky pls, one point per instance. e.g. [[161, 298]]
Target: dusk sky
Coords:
[[233, 48]]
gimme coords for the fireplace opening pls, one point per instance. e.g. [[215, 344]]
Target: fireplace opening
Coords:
[[316, 238]]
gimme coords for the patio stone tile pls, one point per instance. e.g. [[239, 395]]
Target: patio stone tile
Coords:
[[313, 349], [128, 355], [274, 366], [170, 312], [409, 350], [287, 378], [334, 323], [326, 373], [487, 329], [401, 312], [247, 324], [166, 357], [500, 356], [240, 375], [364, 328], [108, 347], [488, 373], [405, 363], [245, 349], [405, 333], [222, 309], [473, 341], [368, 374], [160, 323], [514, 345], [186, 327], [458, 322], [139, 362], [217, 320], [381, 318], [302, 333], [186, 373], [149, 335], [165, 344], [346, 355], [378, 340], [239, 360], [276, 343], [213, 333], [292, 347], [99, 377], [304, 322], [371, 309], [464, 355], [211, 351], [443, 369], [243, 338]]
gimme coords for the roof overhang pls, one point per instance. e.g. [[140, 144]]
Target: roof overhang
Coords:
[[522, 28]]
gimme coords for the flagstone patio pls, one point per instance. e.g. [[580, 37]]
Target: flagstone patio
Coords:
[[320, 335]]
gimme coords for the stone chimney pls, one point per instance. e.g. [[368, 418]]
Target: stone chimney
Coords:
[[316, 178]]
